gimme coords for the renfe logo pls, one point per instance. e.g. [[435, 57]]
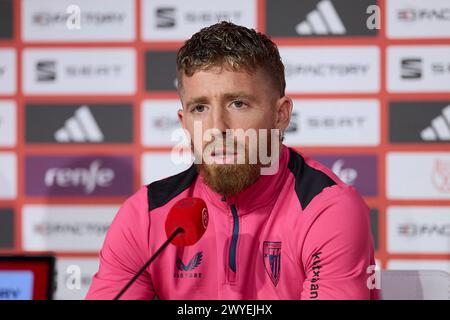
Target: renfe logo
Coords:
[[86, 176], [360, 171]]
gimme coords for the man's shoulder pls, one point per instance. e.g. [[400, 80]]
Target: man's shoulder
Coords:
[[162, 191], [312, 178]]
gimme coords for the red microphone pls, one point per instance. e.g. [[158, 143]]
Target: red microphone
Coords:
[[185, 225], [191, 215]]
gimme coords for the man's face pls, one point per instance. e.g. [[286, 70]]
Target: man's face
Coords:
[[221, 99]]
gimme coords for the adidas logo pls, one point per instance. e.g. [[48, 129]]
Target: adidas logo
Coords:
[[82, 127], [439, 129], [323, 20]]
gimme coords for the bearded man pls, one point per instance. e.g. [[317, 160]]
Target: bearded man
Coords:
[[281, 225]]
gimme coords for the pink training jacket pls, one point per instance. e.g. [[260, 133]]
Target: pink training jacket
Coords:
[[298, 234]]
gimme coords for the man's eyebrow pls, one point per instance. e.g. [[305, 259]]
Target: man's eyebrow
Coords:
[[197, 100], [236, 95]]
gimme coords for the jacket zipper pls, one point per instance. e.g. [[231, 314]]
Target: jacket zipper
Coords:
[[232, 253], [234, 239]]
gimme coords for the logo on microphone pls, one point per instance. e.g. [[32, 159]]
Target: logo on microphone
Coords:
[[205, 218], [193, 264]]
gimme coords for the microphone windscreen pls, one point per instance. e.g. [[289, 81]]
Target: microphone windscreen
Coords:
[[190, 214]]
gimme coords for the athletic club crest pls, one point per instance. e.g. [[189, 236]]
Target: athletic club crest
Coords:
[[272, 260]]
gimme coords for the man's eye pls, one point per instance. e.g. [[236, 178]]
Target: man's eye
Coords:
[[238, 104], [199, 108]]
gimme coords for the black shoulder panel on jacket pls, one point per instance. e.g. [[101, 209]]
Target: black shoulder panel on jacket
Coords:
[[309, 182], [162, 191]]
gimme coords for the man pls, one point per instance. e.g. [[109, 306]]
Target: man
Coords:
[[297, 232]]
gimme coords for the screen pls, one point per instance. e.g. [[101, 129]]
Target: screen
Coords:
[[26, 277]]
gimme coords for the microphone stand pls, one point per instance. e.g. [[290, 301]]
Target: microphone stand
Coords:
[[153, 257]]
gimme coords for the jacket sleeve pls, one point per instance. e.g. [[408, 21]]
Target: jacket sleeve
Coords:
[[338, 249], [124, 252]]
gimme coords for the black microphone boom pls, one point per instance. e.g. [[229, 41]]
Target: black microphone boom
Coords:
[[153, 257]]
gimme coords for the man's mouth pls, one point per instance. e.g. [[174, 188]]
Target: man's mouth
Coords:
[[222, 152], [223, 157]]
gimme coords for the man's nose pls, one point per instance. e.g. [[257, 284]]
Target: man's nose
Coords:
[[219, 120]]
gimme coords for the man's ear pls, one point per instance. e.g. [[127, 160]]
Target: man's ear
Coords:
[[284, 111], [181, 117]]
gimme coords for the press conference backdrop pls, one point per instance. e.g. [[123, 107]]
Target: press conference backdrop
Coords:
[[88, 104]]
